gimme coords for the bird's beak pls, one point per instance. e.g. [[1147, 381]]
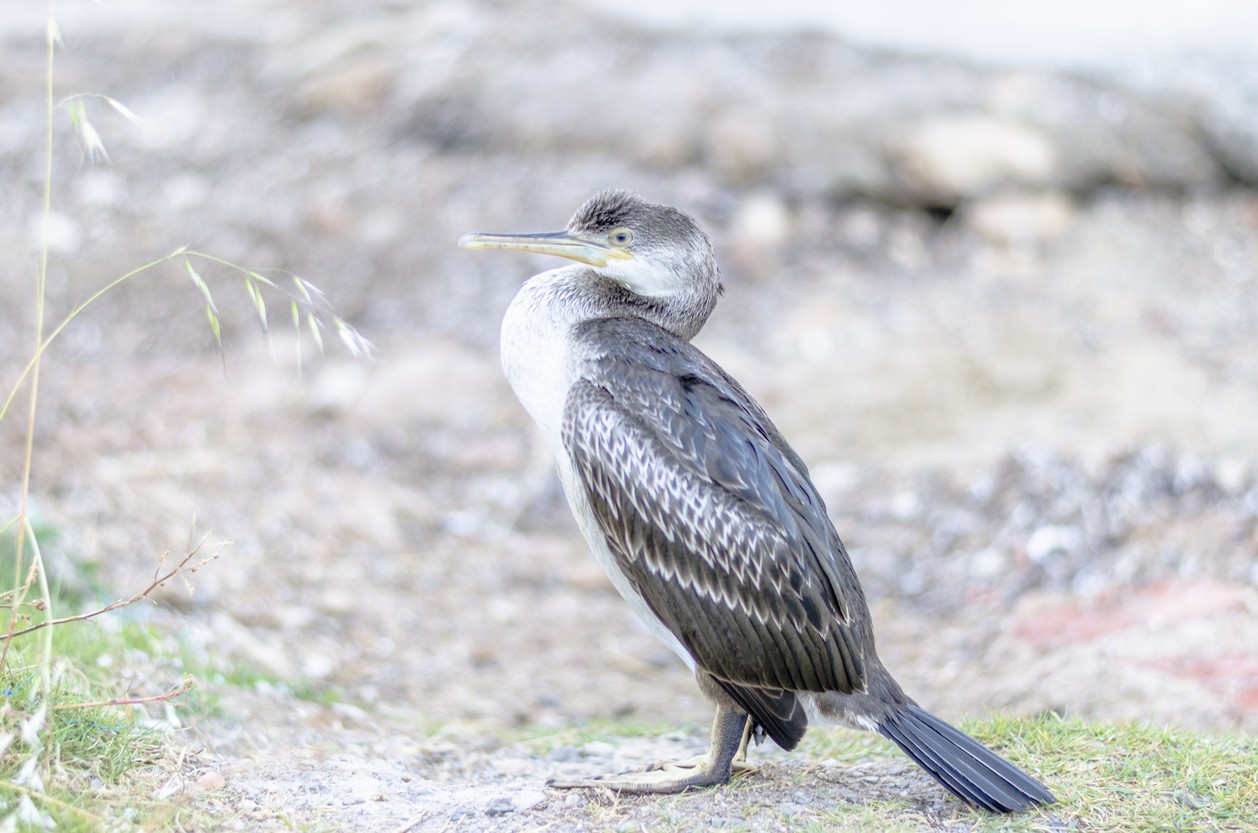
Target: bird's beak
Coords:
[[558, 243]]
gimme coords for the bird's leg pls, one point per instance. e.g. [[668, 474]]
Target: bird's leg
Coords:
[[740, 760], [729, 730], [738, 765]]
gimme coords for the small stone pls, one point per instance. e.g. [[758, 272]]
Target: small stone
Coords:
[[905, 505], [294, 617], [1232, 475], [988, 563], [527, 799], [951, 157], [318, 666], [762, 221], [352, 712], [336, 600], [500, 807], [1021, 218], [1050, 539], [212, 780], [565, 754], [355, 86]]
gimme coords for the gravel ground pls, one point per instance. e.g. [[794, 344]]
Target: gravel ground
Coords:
[[1008, 317]]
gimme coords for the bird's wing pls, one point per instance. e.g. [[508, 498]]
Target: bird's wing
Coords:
[[711, 515]]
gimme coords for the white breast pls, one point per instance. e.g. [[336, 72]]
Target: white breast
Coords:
[[540, 367], [535, 355]]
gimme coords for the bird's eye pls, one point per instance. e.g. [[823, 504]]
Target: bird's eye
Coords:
[[620, 237]]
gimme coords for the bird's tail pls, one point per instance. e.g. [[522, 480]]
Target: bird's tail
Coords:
[[969, 770]]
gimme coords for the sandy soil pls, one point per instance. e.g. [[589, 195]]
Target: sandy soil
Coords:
[[1011, 331]]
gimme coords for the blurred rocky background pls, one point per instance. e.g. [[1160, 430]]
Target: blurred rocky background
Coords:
[[1000, 291]]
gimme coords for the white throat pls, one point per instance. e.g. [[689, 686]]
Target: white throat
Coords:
[[534, 344]]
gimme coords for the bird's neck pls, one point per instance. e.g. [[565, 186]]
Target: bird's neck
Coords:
[[537, 350]]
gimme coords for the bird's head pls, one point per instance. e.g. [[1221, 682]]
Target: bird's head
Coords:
[[654, 251]]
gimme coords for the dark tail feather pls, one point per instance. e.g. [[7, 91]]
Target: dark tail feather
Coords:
[[969, 770]]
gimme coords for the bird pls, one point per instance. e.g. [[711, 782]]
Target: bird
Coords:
[[698, 509]]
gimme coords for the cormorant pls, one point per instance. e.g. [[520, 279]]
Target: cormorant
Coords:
[[698, 509]]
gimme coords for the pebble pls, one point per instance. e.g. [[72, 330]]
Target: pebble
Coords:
[[1021, 218], [528, 799], [988, 563], [951, 157], [761, 222], [1047, 540], [318, 666], [357, 86], [1232, 475], [212, 780], [500, 807]]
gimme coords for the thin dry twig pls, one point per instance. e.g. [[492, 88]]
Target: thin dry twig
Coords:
[[189, 683], [159, 579]]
